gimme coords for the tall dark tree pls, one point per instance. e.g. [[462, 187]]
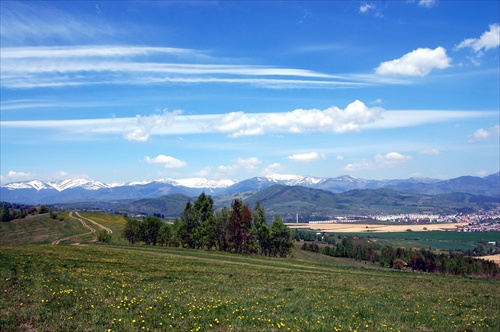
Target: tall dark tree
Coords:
[[150, 229], [188, 226], [281, 238], [43, 209], [239, 227], [5, 214], [204, 233], [234, 236], [261, 230], [165, 235], [221, 222], [131, 230]]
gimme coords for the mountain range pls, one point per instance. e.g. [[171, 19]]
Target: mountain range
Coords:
[[85, 190]]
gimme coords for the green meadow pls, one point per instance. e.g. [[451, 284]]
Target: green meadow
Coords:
[[432, 239], [118, 287]]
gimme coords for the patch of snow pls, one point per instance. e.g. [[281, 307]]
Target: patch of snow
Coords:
[[77, 183], [34, 184], [204, 183], [292, 180], [138, 183]]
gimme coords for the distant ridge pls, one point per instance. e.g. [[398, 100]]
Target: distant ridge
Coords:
[[79, 190]]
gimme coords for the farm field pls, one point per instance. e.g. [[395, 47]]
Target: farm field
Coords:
[[374, 228], [399, 236], [135, 288]]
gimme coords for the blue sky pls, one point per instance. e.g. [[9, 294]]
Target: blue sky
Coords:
[[127, 91]]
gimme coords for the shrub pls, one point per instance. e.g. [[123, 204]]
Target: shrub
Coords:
[[104, 237]]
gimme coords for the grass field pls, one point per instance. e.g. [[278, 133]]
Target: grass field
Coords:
[[117, 287], [122, 288], [39, 229], [397, 235], [435, 239]]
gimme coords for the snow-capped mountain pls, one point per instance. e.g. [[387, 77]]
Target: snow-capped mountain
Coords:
[[85, 190], [57, 185], [293, 180], [203, 183]]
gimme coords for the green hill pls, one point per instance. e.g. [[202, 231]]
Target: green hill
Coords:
[[170, 206], [317, 204], [141, 288], [314, 204]]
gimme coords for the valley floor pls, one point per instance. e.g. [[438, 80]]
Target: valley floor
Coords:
[[367, 228]]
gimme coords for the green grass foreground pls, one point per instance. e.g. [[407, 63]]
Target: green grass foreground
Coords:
[[141, 288]]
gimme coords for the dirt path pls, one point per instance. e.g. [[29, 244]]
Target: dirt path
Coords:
[[109, 231], [84, 224]]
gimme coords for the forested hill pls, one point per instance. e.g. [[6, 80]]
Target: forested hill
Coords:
[[315, 204]]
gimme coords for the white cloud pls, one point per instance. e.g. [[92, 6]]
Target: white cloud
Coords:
[[483, 134], [306, 157], [141, 130], [273, 168], [427, 3], [31, 67], [248, 165], [13, 176], [359, 165], [419, 62], [413, 118], [340, 157], [204, 172], [482, 173], [41, 23], [391, 159], [430, 152], [332, 119], [488, 40], [364, 8], [167, 161]]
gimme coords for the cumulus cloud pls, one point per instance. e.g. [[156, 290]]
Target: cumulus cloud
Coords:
[[273, 168], [488, 40], [389, 160], [306, 157], [419, 62], [13, 176], [427, 3], [364, 8], [141, 129], [167, 161], [247, 165], [359, 165], [204, 172], [332, 119], [483, 134], [430, 152]]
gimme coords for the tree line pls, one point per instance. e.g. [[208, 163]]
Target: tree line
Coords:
[[451, 262], [13, 211], [237, 229]]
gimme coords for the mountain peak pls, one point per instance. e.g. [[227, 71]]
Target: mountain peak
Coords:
[[290, 179], [202, 183]]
